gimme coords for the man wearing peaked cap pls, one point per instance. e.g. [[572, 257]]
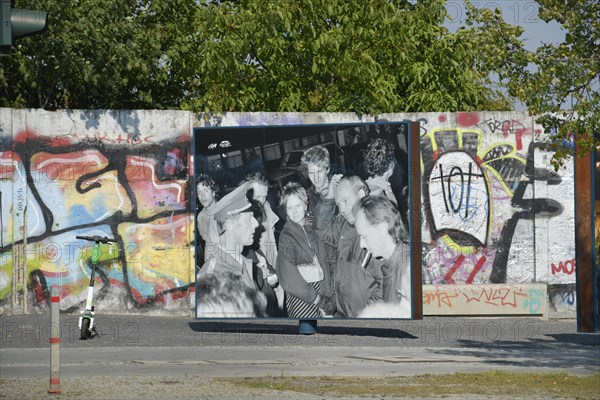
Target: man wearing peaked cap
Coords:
[[232, 204], [236, 225]]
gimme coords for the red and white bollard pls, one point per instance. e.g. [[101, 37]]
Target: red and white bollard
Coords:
[[54, 340]]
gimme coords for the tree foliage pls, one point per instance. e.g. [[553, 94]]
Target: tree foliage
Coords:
[[335, 55], [559, 83], [366, 56], [101, 54], [567, 80]]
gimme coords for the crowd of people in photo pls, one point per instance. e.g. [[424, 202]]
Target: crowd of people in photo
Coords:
[[343, 250]]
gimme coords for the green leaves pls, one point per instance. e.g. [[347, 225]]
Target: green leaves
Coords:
[[100, 54], [563, 89], [337, 56], [367, 56]]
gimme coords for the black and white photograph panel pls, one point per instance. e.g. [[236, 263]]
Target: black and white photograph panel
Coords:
[[303, 222]]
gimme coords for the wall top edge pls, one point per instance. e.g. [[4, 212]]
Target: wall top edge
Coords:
[[118, 126], [93, 110], [164, 124]]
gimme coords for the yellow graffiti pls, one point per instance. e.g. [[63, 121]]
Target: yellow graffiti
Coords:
[[159, 248], [486, 168]]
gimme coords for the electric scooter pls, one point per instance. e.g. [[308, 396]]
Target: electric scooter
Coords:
[[86, 317]]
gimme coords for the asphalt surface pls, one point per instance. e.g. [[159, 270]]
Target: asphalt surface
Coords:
[[154, 346], [147, 330]]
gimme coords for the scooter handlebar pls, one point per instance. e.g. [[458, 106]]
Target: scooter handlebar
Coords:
[[101, 239]]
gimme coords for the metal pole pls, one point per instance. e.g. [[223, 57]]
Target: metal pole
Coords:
[[414, 170], [54, 340], [25, 272], [587, 320]]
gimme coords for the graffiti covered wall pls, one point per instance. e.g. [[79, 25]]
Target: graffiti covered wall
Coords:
[[494, 211], [121, 174]]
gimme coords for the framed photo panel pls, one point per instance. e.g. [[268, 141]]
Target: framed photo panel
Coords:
[[306, 222]]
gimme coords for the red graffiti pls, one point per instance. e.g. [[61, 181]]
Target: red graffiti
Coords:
[[509, 127], [68, 167], [467, 119], [457, 264], [442, 298], [9, 164], [442, 118], [568, 267], [142, 175], [477, 268], [516, 128], [120, 139], [496, 297], [22, 136], [60, 141]]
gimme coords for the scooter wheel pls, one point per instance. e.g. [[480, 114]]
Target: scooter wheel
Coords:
[[85, 328]]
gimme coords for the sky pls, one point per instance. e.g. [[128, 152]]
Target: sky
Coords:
[[523, 13]]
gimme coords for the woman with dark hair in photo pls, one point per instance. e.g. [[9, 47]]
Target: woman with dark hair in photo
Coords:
[[386, 175], [302, 266], [265, 246], [263, 272], [206, 191]]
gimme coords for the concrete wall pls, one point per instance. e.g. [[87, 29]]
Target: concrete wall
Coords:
[[518, 227], [127, 174], [124, 174]]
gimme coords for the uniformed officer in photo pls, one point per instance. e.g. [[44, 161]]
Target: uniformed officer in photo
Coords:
[[225, 284]]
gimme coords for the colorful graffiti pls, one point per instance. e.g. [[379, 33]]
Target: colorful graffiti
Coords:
[[494, 212], [137, 191], [482, 299], [486, 190], [462, 185]]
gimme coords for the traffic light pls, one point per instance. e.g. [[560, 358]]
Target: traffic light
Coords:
[[17, 23]]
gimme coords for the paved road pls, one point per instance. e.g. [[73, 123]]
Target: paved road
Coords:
[[146, 345], [168, 357]]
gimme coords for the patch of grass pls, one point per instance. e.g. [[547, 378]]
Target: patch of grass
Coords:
[[492, 383], [168, 382]]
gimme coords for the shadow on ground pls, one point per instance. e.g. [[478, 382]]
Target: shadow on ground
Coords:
[[292, 329]]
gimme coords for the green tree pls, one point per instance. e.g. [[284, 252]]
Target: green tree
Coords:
[[565, 88], [365, 56], [100, 54], [336, 55], [559, 83]]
